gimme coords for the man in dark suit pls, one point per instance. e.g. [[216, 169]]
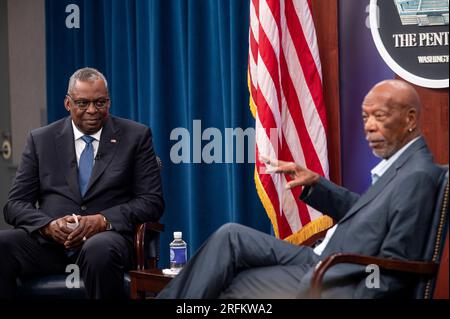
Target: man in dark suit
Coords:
[[83, 184], [390, 220]]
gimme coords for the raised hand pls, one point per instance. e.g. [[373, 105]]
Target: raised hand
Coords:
[[300, 175]]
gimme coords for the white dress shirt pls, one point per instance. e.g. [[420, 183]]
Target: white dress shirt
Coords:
[[376, 174], [80, 144]]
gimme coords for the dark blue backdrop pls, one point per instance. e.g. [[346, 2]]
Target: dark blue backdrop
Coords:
[[168, 62]]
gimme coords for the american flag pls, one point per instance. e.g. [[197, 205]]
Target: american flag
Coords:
[[285, 82]]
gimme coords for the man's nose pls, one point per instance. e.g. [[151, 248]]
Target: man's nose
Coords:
[[370, 125], [91, 107]]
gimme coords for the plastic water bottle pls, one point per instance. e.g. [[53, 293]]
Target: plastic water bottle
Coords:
[[178, 252]]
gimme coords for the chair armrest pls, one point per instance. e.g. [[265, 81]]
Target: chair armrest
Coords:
[[311, 241], [412, 267], [153, 229]]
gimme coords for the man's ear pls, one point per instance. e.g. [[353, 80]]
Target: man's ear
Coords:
[[411, 118], [67, 104]]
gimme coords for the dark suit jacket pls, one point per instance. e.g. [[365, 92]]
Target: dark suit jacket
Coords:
[[125, 184], [390, 220]]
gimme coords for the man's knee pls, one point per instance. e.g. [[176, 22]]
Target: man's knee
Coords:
[[230, 228], [101, 251], [229, 232], [96, 253], [10, 238], [10, 241]]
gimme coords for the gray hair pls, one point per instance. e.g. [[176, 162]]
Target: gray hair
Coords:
[[86, 75]]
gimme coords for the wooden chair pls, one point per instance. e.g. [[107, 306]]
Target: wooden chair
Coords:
[[147, 245], [432, 275]]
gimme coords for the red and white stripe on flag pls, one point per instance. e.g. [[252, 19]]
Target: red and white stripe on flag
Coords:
[[285, 82]]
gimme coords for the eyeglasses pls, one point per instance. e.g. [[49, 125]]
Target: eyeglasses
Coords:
[[83, 104]]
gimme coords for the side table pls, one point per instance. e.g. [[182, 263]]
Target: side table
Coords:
[[147, 281]]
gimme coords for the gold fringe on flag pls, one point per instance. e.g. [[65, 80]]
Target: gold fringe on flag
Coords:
[[313, 227], [252, 102], [267, 204]]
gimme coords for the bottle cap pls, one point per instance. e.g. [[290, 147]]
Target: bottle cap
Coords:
[[177, 234]]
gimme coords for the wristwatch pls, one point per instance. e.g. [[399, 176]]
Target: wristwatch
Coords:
[[108, 224]]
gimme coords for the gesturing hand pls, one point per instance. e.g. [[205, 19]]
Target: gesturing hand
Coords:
[[301, 176], [88, 226], [57, 229]]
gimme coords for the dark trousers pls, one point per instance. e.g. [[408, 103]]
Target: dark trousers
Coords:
[[240, 262], [102, 261]]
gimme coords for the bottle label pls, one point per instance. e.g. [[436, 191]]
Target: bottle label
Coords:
[[178, 255]]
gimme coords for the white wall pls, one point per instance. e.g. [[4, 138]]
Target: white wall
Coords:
[[22, 80]]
